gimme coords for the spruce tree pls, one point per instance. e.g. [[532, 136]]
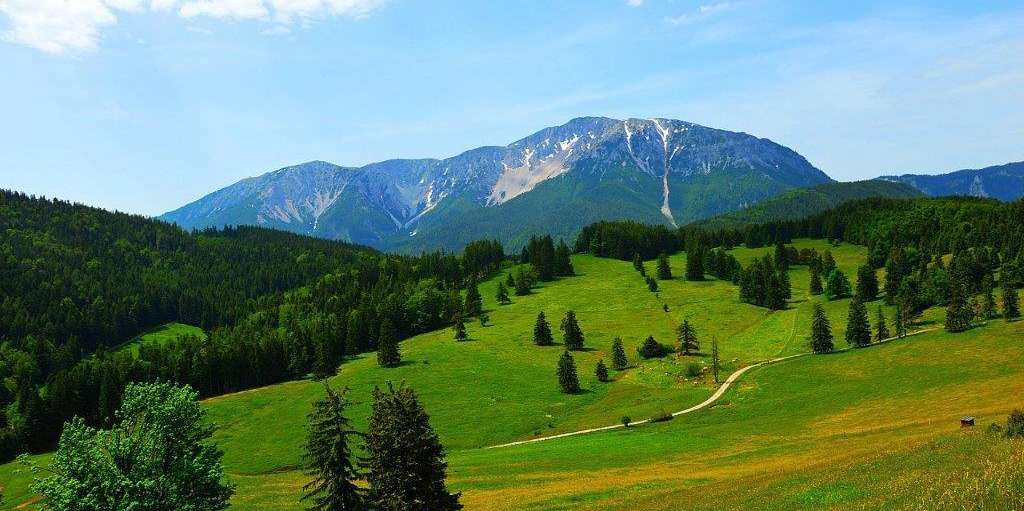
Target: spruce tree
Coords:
[[716, 362], [664, 270], [867, 284], [828, 263], [1011, 303], [881, 330], [958, 312], [601, 372], [652, 285], [786, 289], [474, 302], [567, 378], [781, 257], [694, 262], [328, 457], [687, 338], [542, 332], [858, 330], [815, 286], [563, 260], [638, 263], [821, 331], [459, 329], [484, 319], [405, 465], [510, 281], [502, 294], [988, 307], [650, 348], [387, 345], [837, 286], [899, 322], [619, 360], [523, 282], [572, 335]]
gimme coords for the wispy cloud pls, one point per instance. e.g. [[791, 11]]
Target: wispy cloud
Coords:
[[634, 3], [702, 13], [63, 26]]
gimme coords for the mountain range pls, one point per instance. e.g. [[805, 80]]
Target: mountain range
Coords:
[[1003, 182], [554, 181]]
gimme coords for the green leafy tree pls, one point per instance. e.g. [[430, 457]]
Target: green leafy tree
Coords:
[[601, 372], [474, 302], [572, 335], [502, 294], [405, 463], [1011, 303], [387, 345], [881, 330], [459, 329], [687, 337], [867, 284], [837, 285], [567, 378], [542, 331], [858, 330], [821, 331], [664, 270], [328, 457], [156, 456], [619, 360]]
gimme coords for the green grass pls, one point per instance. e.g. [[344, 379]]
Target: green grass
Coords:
[[499, 387], [161, 335]]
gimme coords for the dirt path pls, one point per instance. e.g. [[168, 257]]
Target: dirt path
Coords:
[[704, 404]]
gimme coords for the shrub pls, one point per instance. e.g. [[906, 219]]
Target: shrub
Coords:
[[625, 421], [661, 416], [1015, 424], [693, 370], [651, 348]]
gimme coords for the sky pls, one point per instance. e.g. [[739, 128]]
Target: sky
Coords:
[[146, 105]]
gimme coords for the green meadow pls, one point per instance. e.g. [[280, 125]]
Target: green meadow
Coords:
[[851, 430]]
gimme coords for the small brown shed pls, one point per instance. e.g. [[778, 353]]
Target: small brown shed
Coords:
[[966, 422]]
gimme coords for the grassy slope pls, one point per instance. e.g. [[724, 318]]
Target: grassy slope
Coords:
[[499, 387], [161, 335]]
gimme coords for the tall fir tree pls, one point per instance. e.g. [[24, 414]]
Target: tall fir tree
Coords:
[[563, 260], [687, 338], [567, 377], [881, 330], [387, 345], [619, 360], [601, 372], [815, 287], [694, 261], [405, 465], [958, 312], [988, 304], [828, 263], [328, 457], [716, 361], [821, 331], [664, 270], [899, 322], [572, 334], [867, 284], [1011, 303], [510, 281], [837, 285], [502, 294], [474, 302], [858, 329], [781, 257], [542, 331], [523, 282]]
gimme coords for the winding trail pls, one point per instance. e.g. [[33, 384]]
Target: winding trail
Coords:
[[707, 402]]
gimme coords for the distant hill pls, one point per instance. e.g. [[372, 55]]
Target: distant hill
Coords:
[[1003, 182], [554, 181], [803, 202]]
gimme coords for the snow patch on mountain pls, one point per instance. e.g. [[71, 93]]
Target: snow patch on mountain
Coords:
[[515, 181]]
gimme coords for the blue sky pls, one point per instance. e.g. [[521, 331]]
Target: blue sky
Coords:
[[144, 105]]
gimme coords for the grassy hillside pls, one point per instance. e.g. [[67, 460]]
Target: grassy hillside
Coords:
[[878, 408], [161, 335]]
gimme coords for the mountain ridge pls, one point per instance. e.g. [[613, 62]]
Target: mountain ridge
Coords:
[[1004, 182]]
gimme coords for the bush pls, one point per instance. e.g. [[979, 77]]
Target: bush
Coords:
[[1015, 424], [651, 348], [661, 416], [693, 370], [626, 420]]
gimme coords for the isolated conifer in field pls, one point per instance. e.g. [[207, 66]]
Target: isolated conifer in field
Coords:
[[328, 457], [1011, 304], [459, 328], [958, 312], [542, 332], [619, 360], [567, 377], [988, 305], [510, 282], [474, 302], [881, 330], [815, 286], [867, 284], [638, 264], [387, 345], [858, 330], [523, 282], [837, 285], [821, 331], [563, 260], [687, 338], [650, 348], [502, 294], [694, 262], [716, 362], [664, 270], [828, 263], [601, 372], [405, 465], [572, 335]]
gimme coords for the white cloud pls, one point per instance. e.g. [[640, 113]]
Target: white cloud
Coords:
[[634, 3], [63, 26], [703, 12]]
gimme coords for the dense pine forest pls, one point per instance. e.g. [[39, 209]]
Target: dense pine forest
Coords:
[[77, 281]]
